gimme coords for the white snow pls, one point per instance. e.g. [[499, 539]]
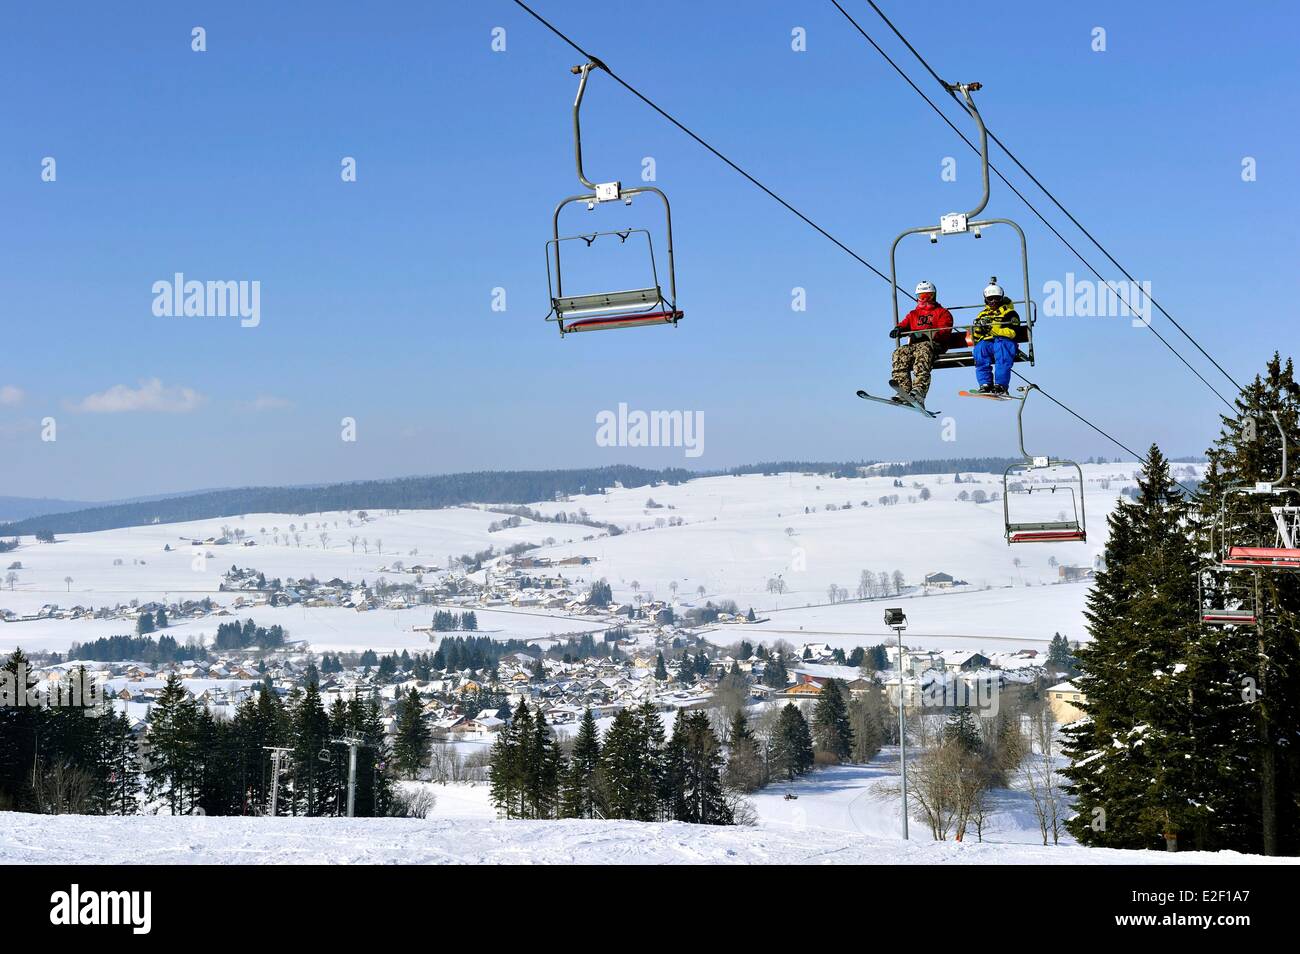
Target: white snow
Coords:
[[80, 839]]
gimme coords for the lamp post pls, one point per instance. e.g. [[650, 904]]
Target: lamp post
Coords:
[[896, 620]]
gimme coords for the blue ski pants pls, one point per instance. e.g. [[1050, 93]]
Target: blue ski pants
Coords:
[[993, 360]]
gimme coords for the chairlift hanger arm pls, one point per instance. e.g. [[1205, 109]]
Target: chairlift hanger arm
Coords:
[[602, 190], [966, 89]]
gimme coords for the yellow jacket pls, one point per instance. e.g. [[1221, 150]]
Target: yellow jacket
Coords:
[[1000, 321]]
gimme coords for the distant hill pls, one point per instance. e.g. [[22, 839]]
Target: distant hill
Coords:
[[407, 493], [27, 516], [20, 508]]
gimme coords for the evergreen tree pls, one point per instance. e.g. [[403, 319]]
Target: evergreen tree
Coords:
[[1141, 613], [171, 774], [702, 794], [744, 771], [673, 780], [961, 730], [581, 783], [310, 793], [832, 734], [120, 761], [1059, 656], [542, 784], [866, 719], [661, 670], [411, 746], [791, 751]]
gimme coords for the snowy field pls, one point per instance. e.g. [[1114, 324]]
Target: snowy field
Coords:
[[738, 533], [74, 839]]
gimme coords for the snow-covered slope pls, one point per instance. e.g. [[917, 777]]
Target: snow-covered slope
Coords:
[[79, 839]]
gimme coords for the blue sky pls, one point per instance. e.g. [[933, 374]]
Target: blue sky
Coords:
[[376, 295]]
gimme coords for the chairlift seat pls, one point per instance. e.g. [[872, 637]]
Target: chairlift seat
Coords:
[[1066, 531], [961, 348], [624, 321], [1237, 617], [1263, 557], [604, 303]]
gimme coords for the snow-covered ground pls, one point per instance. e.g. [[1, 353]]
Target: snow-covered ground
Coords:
[[78, 839], [738, 533]]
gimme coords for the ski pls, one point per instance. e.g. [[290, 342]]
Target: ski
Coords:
[[902, 401], [987, 397]]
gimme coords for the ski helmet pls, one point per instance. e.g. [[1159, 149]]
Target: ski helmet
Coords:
[[924, 287], [993, 289]]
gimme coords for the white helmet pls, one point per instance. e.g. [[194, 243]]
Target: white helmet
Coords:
[[926, 287], [993, 289]]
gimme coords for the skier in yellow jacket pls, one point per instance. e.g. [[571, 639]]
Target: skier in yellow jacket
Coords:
[[994, 337]]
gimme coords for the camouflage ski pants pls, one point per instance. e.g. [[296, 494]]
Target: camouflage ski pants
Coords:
[[912, 363]]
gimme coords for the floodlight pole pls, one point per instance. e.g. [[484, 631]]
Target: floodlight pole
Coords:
[[897, 621]]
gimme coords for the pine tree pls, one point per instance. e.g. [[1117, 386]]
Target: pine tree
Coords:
[[792, 749], [120, 759], [310, 792], [832, 734], [661, 670], [702, 794], [172, 770], [1059, 656], [744, 771], [866, 719], [672, 781], [510, 764], [1142, 616], [580, 787], [961, 730], [622, 766], [542, 785], [411, 746]]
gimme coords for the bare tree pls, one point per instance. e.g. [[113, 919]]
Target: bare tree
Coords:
[[68, 580], [11, 578], [1039, 776], [354, 540]]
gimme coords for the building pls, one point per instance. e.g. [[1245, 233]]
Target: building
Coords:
[[1064, 699]]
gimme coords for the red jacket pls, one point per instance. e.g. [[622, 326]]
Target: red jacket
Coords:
[[922, 318]]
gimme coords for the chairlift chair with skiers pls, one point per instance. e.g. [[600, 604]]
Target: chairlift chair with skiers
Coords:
[[959, 342], [625, 308], [1073, 528]]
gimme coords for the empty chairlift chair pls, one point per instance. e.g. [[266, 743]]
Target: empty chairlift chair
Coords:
[[1228, 599], [1072, 529], [627, 308], [1259, 526]]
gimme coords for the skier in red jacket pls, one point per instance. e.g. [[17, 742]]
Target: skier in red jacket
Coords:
[[928, 325]]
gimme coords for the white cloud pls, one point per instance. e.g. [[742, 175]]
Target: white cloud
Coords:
[[266, 402], [11, 396], [151, 395]]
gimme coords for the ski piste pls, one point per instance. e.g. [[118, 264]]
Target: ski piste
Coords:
[[903, 400]]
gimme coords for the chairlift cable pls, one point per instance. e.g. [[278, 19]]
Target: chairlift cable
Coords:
[[1045, 191]]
